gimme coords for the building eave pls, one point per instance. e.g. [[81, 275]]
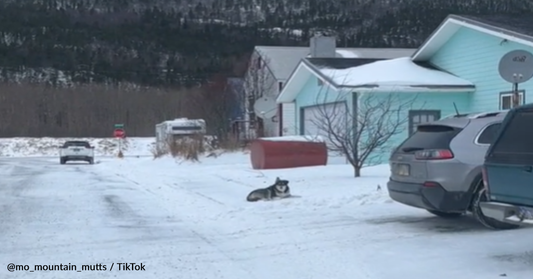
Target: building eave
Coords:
[[288, 94], [413, 88], [452, 24]]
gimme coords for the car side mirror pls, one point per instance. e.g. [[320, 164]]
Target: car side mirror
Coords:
[[92, 147]]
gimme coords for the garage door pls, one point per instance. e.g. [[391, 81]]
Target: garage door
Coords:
[[313, 117]]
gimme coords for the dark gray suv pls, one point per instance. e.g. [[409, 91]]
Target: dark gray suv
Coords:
[[438, 168]]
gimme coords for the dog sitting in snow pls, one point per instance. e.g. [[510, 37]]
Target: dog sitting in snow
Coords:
[[279, 190]]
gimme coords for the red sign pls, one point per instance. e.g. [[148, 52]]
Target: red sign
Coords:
[[119, 133]]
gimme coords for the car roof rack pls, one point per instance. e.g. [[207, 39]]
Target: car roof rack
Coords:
[[486, 114], [476, 115]]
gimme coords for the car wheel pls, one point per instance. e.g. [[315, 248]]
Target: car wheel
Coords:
[[490, 223], [62, 161], [91, 161], [447, 215]]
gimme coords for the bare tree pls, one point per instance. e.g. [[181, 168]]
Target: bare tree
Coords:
[[258, 82], [364, 133], [215, 103]]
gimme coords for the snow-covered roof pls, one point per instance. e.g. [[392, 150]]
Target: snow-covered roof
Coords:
[[347, 53], [282, 60], [400, 73]]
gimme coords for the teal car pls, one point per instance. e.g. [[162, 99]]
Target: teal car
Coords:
[[508, 171]]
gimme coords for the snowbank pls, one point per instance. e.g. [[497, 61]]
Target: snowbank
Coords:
[[24, 147], [399, 72]]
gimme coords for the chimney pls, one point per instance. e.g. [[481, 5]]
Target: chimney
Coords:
[[323, 46]]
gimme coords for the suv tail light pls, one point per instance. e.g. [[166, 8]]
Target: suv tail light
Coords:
[[434, 154]]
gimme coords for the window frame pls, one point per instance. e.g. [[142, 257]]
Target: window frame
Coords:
[[421, 112], [505, 94], [476, 139]]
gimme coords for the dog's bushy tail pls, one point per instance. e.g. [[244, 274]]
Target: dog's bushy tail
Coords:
[[252, 198]]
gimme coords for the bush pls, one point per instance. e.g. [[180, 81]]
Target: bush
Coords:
[[191, 148], [158, 152], [188, 148], [231, 143]]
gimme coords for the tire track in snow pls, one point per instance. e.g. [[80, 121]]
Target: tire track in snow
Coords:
[[233, 260], [176, 185], [246, 273], [234, 181], [173, 186], [321, 231]]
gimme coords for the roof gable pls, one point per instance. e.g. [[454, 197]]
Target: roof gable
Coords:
[[281, 61], [308, 67], [297, 79], [360, 73], [516, 28]]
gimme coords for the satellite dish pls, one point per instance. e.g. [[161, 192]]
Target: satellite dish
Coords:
[[516, 66], [265, 107]]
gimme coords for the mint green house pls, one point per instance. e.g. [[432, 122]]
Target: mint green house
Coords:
[[455, 69]]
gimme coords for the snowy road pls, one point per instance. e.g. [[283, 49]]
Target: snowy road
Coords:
[[191, 221]]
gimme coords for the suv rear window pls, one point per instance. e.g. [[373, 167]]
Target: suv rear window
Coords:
[[429, 137], [517, 136], [77, 143]]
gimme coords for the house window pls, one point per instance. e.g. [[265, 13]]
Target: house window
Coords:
[[280, 86], [417, 117], [259, 62], [506, 99], [319, 82]]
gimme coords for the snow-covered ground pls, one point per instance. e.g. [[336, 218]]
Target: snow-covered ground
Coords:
[[190, 220]]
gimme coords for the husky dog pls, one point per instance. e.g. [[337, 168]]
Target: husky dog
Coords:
[[280, 189]]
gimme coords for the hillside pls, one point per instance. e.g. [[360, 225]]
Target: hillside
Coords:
[[178, 42]]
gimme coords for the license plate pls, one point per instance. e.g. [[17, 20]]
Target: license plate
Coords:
[[401, 169], [525, 213], [76, 149]]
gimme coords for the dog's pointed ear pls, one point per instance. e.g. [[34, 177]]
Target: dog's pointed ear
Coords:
[[277, 179]]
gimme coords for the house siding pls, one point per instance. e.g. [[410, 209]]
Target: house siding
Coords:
[[444, 102], [475, 56], [311, 94], [289, 119]]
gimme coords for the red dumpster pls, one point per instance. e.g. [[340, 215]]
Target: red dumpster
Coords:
[[278, 154]]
